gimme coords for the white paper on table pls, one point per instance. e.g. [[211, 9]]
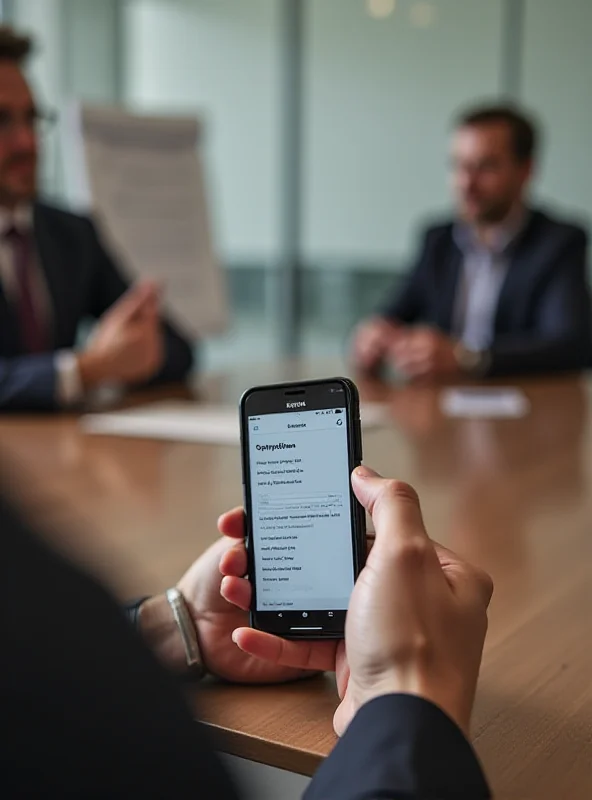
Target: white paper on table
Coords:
[[188, 422], [182, 422], [485, 403]]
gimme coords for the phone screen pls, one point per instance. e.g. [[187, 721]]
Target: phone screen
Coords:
[[301, 512]]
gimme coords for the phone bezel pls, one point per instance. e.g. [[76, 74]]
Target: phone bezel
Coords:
[[272, 399]]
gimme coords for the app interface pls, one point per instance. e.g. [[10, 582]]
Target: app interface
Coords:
[[301, 510]]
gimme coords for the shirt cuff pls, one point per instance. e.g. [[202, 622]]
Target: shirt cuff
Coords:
[[69, 388]]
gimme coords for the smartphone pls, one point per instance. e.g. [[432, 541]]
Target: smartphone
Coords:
[[305, 530]]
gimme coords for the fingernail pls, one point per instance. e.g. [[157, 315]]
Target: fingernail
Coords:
[[234, 637], [365, 472]]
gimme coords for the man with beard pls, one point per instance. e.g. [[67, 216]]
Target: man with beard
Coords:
[[55, 273], [503, 288]]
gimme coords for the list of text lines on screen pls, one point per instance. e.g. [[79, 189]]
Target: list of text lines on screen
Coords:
[[299, 476]]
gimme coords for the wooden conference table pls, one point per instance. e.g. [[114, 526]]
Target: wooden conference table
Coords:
[[513, 496]]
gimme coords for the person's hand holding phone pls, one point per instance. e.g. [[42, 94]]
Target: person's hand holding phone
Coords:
[[316, 656], [215, 619], [417, 617]]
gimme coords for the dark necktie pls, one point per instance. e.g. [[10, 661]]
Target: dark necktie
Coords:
[[32, 329]]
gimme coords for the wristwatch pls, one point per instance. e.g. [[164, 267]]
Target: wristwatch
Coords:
[[178, 647], [472, 362], [195, 667]]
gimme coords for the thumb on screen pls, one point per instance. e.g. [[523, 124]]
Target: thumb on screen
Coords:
[[393, 506]]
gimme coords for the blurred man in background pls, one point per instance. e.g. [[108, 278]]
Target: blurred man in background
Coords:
[[54, 273], [501, 289]]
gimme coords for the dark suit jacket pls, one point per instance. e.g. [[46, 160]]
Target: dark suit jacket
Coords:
[[83, 282], [88, 712], [543, 320]]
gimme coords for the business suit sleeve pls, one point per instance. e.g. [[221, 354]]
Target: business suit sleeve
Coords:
[[407, 303], [86, 708], [400, 747], [561, 338], [109, 285], [28, 383]]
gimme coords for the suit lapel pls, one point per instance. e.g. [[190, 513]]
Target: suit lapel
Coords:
[[517, 280], [510, 289], [48, 255]]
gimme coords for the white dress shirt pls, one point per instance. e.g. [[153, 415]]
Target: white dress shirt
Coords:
[[69, 384], [484, 271]]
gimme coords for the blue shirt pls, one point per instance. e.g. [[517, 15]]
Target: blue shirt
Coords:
[[483, 272]]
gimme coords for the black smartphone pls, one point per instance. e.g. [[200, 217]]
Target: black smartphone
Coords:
[[305, 530]]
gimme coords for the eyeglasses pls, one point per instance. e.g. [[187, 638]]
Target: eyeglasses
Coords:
[[36, 120]]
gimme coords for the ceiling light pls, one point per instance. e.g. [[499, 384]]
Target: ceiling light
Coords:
[[381, 9]]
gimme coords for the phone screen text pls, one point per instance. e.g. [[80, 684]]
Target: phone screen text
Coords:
[[301, 513]]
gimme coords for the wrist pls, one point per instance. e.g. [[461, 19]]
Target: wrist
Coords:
[[471, 362], [160, 631], [91, 368], [441, 693]]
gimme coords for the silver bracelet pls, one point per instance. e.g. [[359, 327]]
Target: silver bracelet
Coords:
[[188, 632]]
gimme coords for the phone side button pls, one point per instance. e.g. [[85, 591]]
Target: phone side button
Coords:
[[359, 442]]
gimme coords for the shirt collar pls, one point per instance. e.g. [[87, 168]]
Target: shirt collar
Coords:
[[504, 234], [20, 218]]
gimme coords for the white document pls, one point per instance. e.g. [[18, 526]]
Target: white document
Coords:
[[146, 187], [485, 403], [182, 422], [187, 422]]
